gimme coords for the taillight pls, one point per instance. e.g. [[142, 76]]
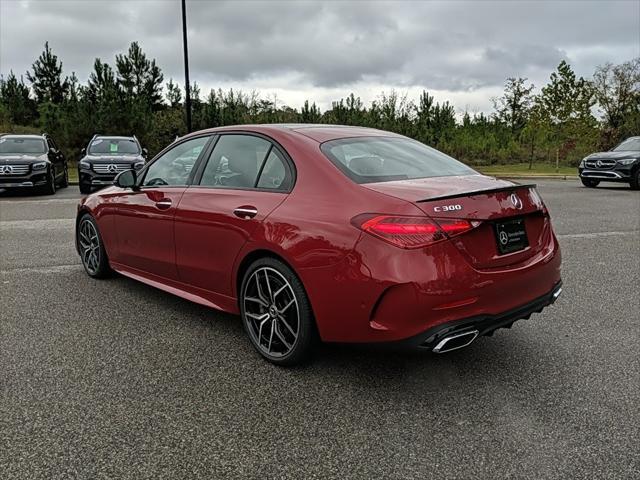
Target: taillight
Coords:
[[411, 232]]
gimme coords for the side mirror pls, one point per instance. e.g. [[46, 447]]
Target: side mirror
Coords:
[[126, 179], [83, 151], [145, 152]]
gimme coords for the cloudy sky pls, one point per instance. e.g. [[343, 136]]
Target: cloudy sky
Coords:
[[461, 51]]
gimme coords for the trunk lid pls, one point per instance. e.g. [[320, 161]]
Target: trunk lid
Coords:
[[490, 204]]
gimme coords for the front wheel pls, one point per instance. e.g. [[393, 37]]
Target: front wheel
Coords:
[[635, 180], [50, 187], [64, 183], [84, 188], [276, 313], [589, 182], [92, 252]]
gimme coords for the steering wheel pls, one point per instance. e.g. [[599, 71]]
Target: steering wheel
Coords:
[[155, 182]]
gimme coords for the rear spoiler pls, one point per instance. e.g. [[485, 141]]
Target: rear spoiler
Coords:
[[480, 192]]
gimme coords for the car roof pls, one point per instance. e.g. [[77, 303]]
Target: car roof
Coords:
[[20, 135], [318, 132], [117, 137]]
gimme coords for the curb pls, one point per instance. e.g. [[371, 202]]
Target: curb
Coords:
[[540, 177], [516, 176]]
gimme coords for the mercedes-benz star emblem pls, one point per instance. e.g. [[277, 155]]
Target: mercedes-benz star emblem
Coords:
[[599, 163], [112, 168], [8, 169], [516, 201], [504, 238]]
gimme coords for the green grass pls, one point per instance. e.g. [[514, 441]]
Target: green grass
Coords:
[[523, 169], [73, 174], [499, 170]]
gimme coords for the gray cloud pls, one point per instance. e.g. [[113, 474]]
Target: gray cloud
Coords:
[[449, 46]]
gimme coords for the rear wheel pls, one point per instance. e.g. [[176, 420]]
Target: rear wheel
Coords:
[[635, 180], [589, 182], [276, 313], [92, 252]]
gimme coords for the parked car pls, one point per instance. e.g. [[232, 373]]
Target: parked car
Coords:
[[105, 157], [352, 234], [622, 164], [32, 162]]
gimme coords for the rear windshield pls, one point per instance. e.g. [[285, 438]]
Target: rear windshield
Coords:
[[114, 146], [22, 145], [629, 145], [386, 159]]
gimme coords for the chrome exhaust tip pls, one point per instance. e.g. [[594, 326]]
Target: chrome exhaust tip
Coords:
[[454, 342], [556, 294]]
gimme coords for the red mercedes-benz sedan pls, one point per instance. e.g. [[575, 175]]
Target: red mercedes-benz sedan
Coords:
[[344, 233]]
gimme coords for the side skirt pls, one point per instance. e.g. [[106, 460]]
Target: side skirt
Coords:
[[188, 292]]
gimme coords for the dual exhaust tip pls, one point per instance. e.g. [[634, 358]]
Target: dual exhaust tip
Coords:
[[464, 339], [456, 341]]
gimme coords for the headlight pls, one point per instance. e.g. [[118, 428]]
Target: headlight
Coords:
[[582, 163], [86, 165], [138, 165], [39, 165], [626, 161]]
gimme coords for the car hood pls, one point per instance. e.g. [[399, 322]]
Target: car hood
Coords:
[[613, 155], [426, 188], [113, 158], [21, 158]]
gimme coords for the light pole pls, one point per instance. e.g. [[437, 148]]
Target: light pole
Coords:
[[186, 66]]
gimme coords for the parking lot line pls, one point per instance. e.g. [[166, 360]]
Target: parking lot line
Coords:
[[599, 234]]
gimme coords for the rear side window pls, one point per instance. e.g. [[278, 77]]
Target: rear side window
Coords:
[[386, 159], [246, 161], [275, 174]]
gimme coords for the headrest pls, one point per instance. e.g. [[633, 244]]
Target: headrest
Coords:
[[366, 165]]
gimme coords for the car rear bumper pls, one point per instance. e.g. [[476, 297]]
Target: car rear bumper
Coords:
[[482, 324], [382, 295]]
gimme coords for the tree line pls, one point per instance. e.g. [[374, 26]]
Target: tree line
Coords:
[[567, 118]]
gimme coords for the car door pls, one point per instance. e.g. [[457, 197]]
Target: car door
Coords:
[[144, 217], [244, 179]]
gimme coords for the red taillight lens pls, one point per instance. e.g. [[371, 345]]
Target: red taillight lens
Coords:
[[411, 232]]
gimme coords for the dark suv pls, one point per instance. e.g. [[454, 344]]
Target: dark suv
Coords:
[[622, 164], [105, 157], [32, 161]]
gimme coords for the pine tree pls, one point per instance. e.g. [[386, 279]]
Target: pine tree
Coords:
[[46, 79], [14, 97]]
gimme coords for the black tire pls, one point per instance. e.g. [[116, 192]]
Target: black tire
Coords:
[[281, 345], [635, 180], [64, 183], [84, 188], [590, 182], [95, 263], [50, 187]]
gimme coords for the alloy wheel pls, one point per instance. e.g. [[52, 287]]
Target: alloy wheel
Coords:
[[89, 246], [271, 312]]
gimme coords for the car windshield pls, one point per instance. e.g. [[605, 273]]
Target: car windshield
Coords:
[[114, 146], [629, 145], [385, 159], [22, 145]]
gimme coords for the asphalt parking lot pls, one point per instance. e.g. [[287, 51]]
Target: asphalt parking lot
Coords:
[[114, 379]]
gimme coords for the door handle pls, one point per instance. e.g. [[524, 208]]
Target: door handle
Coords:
[[245, 212], [163, 204]]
